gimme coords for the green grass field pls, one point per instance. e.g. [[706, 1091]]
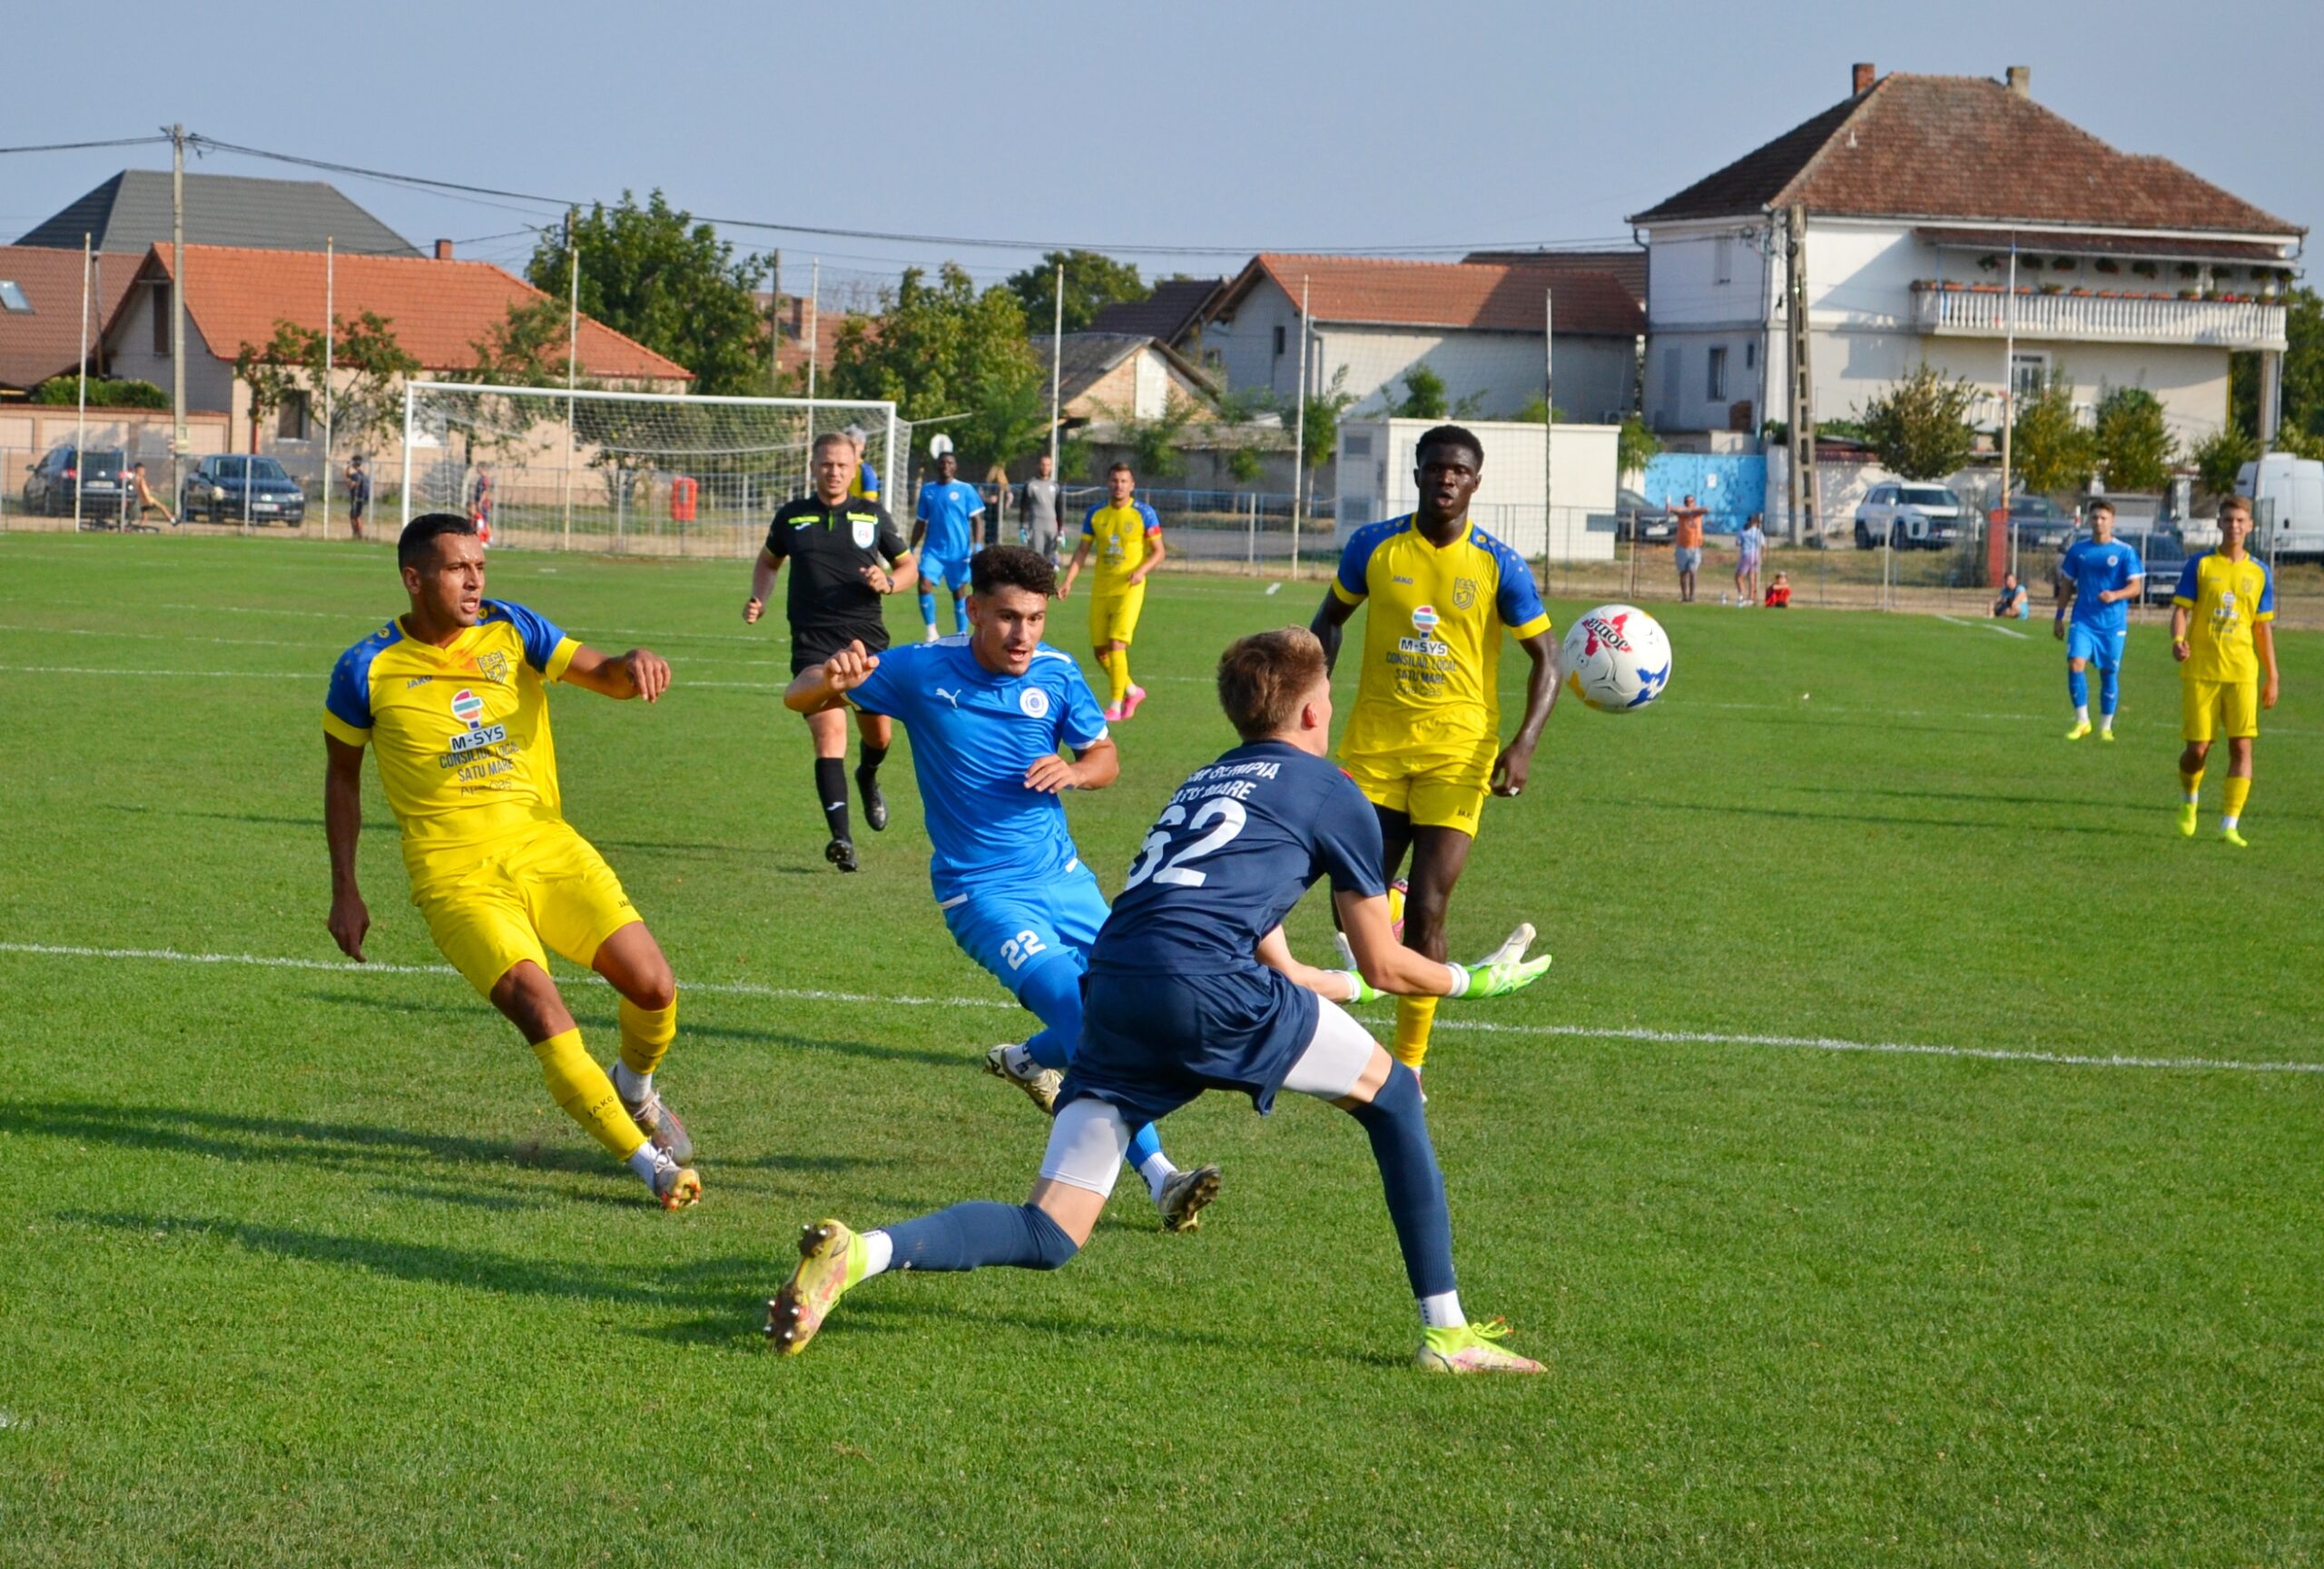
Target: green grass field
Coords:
[[297, 1264]]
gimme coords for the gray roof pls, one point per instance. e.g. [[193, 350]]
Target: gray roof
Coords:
[[130, 213], [1176, 304]]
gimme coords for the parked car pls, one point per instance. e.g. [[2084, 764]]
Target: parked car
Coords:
[[1909, 517], [1635, 517], [232, 488], [2039, 523], [102, 479], [2289, 493]]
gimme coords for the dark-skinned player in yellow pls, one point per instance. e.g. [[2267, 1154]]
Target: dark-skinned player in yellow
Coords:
[[452, 698], [1422, 738]]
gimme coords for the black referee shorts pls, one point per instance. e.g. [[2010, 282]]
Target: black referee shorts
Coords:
[[813, 645]]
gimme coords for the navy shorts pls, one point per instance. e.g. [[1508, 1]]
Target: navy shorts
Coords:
[[1150, 1043]]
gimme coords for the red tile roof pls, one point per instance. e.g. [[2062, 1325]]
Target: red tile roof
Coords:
[[1961, 147], [440, 310], [1496, 297], [47, 341], [1627, 264]]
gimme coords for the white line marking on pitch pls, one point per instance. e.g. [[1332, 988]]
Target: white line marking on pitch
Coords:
[[205, 675], [1581, 1031]]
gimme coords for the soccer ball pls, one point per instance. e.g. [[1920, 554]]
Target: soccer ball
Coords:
[[1616, 659]]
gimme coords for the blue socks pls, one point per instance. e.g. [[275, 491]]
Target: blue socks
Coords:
[[1398, 1129], [1054, 992], [927, 608], [976, 1235], [2110, 691], [2078, 688]]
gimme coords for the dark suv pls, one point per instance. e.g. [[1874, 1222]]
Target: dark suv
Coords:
[[230, 488], [103, 482]]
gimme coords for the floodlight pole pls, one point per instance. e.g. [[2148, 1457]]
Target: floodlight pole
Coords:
[[571, 365], [1056, 382], [814, 345], [177, 316], [330, 355], [1299, 434], [81, 420], [409, 403]]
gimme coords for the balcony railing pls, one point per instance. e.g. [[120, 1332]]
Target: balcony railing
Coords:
[[1988, 311]]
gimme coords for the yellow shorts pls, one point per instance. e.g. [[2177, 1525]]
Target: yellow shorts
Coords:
[[1435, 787], [2214, 708], [491, 906], [1113, 615]]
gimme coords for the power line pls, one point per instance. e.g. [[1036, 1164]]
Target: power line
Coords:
[[78, 147]]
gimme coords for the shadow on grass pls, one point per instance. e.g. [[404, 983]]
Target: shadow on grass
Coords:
[[233, 1136], [1737, 809], [261, 819], [2049, 803]]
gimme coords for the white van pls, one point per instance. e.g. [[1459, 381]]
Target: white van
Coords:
[[2288, 495]]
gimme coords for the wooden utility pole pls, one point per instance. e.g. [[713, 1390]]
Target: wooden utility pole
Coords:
[[177, 311], [1805, 489]]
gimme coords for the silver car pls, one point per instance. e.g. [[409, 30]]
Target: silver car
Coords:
[[1908, 516]]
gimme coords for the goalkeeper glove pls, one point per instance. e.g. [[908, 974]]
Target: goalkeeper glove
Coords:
[[1496, 980], [1358, 991]]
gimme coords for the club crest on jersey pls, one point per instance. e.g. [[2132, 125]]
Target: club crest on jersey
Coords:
[[1464, 593], [493, 666], [1034, 701], [467, 707], [1424, 619]]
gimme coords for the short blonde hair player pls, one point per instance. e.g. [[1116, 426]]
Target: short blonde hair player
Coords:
[[2222, 635]]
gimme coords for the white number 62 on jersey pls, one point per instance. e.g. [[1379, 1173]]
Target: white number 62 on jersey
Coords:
[[1223, 810]]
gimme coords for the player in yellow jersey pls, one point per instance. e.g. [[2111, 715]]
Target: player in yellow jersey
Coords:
[[2223, 636], [865, 486], [1423, 741], [451, 698], [1127, 538]]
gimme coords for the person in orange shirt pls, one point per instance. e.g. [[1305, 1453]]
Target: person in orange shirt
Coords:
[[1687, 549]]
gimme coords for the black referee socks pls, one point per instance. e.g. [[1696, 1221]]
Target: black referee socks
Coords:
[[831, 789]]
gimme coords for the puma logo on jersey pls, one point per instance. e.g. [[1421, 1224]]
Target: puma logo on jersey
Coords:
[[951, 698]]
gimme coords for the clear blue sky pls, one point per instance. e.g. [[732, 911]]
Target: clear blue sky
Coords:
[[1196, 124]]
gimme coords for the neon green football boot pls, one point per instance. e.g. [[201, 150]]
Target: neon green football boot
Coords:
[[2187, 825], [2081, 728], [1470, 1349], [831, 1260], [2230, 837]]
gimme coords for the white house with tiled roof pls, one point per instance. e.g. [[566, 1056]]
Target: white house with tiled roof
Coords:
[[1915, 190]]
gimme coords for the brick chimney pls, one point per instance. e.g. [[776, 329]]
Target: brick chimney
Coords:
[[443, 249], [1860, 78], [2021, 81]]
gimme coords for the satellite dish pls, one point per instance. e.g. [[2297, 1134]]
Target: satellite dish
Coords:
[[938, 444]]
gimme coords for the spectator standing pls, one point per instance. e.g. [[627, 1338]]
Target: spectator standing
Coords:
[[1686, 547], [1038, 500], [480, 504], [358, 493], [1750, 547]]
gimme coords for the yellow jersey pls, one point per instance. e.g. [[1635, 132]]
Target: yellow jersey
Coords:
[[1431, 642], [865, 486], [1118, 540], [461, 733], [2228, 599]]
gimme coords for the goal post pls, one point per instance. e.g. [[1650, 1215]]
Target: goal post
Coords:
[[647, 473]]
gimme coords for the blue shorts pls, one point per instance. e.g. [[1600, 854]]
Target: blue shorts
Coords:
[[940, 573], [1687, 557], [1150, 1042], [1014, 931], [2103, 649]]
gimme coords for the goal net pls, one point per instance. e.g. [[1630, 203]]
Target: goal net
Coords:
[[648, 473]]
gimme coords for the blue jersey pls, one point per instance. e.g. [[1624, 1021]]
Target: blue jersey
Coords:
[[2094, 569], [973, 735], [1230, 855], [946, 506]]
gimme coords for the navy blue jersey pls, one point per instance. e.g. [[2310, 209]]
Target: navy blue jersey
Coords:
[[1229, 856]]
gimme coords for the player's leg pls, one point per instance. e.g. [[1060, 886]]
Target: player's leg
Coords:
[[1127, 611], [2110, 680], [2080, 646], [2240, 718], [1343, 1065], [1101, 647], [631, 961], [961, 601], [1440, 854], [2198, 713], [933, 572], [828, 730], [1045, 1232], [879, 733]]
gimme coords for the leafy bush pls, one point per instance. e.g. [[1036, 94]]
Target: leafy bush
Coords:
[[66, 390]]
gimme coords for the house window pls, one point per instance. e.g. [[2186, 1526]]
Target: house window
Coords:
[[162, 317], [2027, 373], [1670, 386], [1279, 336], [290, 419], [1722, 258], [12, 297], [1357, 445], [1717, 391], [1751, 354]]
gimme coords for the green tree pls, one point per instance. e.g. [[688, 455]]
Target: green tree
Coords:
[[103, 393], [1322, 421], [2303, 376], [2136, 449], [940, 348], [1093, 280], [1635, 448], [2051, 450], [2220, 456], [1423, 395], [368, 368], [653, 273], [1920, 427], [1154, 443]]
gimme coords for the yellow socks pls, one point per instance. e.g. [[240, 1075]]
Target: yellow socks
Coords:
[[1117, 675], [2192, 783], [1414, 1018], [577, 1085], [2238, 791], [645, 1035]]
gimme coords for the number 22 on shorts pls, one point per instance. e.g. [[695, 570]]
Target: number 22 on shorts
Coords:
[[1021, 947]]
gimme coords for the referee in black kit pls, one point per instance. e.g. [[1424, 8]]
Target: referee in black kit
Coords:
[[848, 554]]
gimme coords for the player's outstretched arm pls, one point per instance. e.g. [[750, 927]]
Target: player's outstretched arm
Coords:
[[1339, 985], [343, 827], [2263, 641], [640, 673], [826, 686], [1091, 769], [1515, 764], [1073, 567], [2179, 650], [1386, 965]]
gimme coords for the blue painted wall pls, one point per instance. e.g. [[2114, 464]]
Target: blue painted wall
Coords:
[[1728, 487]]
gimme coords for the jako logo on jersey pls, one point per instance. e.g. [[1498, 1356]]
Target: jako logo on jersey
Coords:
[[1034, 701], [1424, 618], [1603, 632], [467, 706]]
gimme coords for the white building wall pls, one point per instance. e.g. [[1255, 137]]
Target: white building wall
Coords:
[[129, 355], [1150, 395], [1246, 344], [1376, 481]]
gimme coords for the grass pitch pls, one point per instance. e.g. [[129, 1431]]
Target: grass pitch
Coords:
[[299, 1265]]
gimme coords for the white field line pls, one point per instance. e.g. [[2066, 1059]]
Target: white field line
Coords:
[[165, 637], [1982, 626], [204, 675], [1581, 1032]]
